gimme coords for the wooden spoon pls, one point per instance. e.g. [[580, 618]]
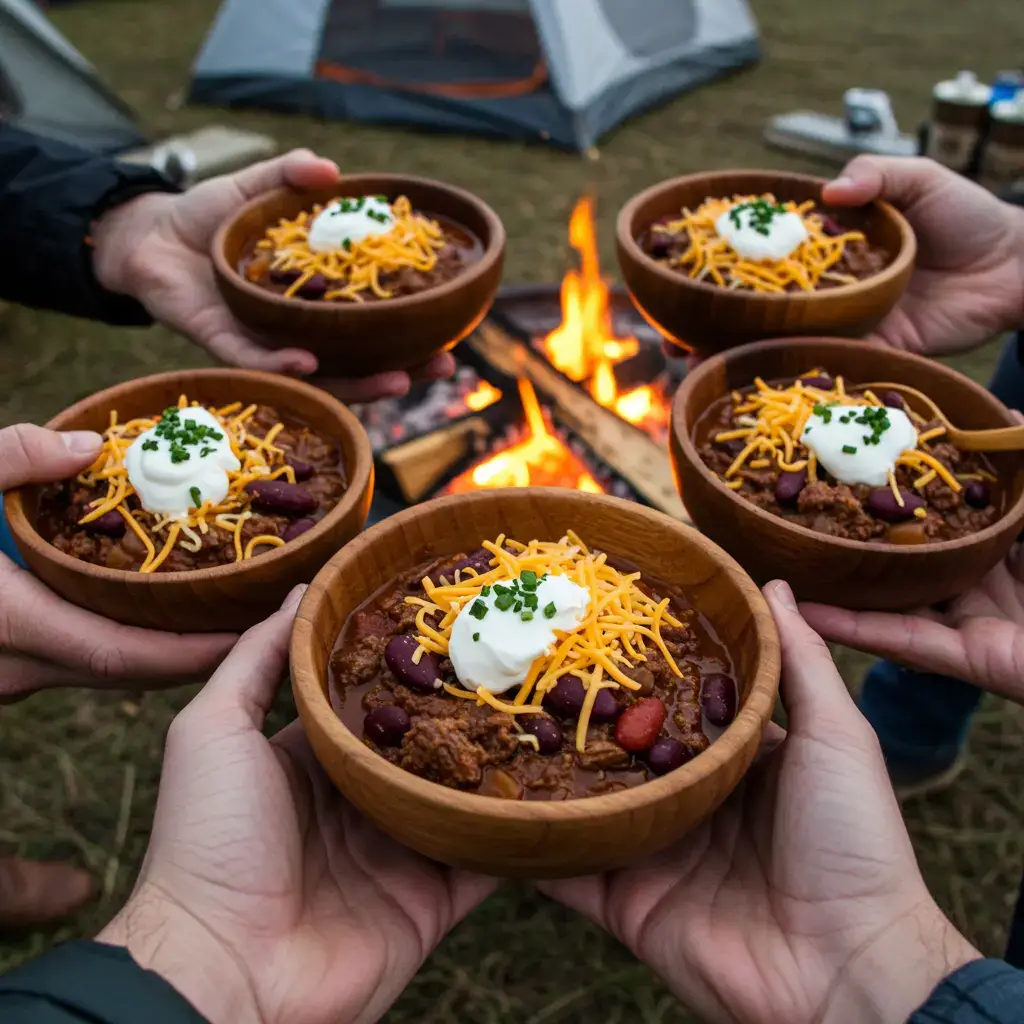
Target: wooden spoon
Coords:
[[1000, 439]]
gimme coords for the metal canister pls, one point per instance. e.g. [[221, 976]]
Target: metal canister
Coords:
[[959, 121], [1002, 163]]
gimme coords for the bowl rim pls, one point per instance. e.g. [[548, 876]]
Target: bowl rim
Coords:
[[493, 251], [360, 479], [904, 551], [901, 262], [753, 714]]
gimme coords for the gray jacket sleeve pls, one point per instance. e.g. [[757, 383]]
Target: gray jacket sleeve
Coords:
[[983, 992]]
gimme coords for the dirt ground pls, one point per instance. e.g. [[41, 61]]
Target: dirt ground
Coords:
[[78, 772]]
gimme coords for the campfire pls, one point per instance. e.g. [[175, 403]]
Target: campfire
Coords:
[[539, 459], [585, 348]]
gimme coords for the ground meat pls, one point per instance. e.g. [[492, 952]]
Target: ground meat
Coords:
[[835, 510], [361, 660], [454, 750], [601, 754]]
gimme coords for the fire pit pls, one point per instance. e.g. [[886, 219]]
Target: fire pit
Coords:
[[561, 386]]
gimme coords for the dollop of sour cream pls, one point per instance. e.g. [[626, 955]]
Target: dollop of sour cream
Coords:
[[181, 462], [350, 220], [755, 236], [836, 434], [495, 651]]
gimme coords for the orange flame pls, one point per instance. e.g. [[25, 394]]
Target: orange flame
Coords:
[[585, 346], [485, 394], [540, 460]]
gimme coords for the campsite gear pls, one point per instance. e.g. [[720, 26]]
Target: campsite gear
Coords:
[[216, 149], [564, 71], [48, 87], [959, 122], [868, 125], [1006, 85], [1002, 163]]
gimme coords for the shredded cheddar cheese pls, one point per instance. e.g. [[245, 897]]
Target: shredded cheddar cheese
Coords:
[[415, 241], [621, 626], [773, 421], [711, 258], [261, 460]]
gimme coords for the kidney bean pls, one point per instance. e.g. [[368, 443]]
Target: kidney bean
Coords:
[[718, 699], [387, 725], [893, 399], [645, 677], [314, 288], [788, 486], [281, 496], [638, 726], [421, 676], [549, 735], [907, 532], [976, 494], [297, 529], [566, 696], [302, 470], [830, 226], [667, 755], [110, 524], [732, 448], [284, 276], [479, 560], [822, 381], [606, 707], [883, 504]]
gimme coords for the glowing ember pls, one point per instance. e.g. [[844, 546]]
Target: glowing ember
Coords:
[[484, 395], [584, 347], [541, 460]]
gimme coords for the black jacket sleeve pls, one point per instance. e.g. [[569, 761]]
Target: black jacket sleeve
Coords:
[[50, 195], [90, 983], [983, 992]]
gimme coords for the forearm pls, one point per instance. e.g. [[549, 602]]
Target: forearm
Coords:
[[50, 196]]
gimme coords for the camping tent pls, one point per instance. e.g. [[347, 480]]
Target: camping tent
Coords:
[[564, 70], [48, 87]]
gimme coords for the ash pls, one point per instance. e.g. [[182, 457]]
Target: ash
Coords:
[[427, 407]]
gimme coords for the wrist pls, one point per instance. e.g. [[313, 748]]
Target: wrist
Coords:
[[895, 973], [163, 937], [117, 235]]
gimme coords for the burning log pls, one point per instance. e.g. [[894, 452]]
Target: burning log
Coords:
[[633, 455]]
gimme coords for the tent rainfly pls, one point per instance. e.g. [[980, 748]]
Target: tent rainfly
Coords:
[[564, 71], [48, 87]]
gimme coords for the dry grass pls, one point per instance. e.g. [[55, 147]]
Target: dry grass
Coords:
[[78, 772]]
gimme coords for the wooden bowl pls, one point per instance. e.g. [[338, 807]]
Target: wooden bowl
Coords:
[[708, 319], [356, 339], [535, 839], [227, 597], [848, 573]]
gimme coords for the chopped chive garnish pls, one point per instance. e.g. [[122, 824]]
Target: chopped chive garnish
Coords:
[[476, 637], [478, 609], [503, 602], [518, 606], [528, 578], [530, 600], [549, 610], [849, 449], [527, 615], [486, 591], [197, 498]]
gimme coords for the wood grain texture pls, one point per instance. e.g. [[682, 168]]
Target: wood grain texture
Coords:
[[356, 339], [535, 839], [709, 319], [230, 597], [998, 439], [879, 576]]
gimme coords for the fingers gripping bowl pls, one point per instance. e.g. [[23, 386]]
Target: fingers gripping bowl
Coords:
[[510, 828], [199, 518], [891, 517], [715, 260], [378, 273]]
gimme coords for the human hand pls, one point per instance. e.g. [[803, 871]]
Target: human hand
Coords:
[[800, 900], [968, 285], [46, 642], [979, 637], [264, 896], [156, 248]]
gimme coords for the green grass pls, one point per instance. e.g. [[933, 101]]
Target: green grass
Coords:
[[78, 771]]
